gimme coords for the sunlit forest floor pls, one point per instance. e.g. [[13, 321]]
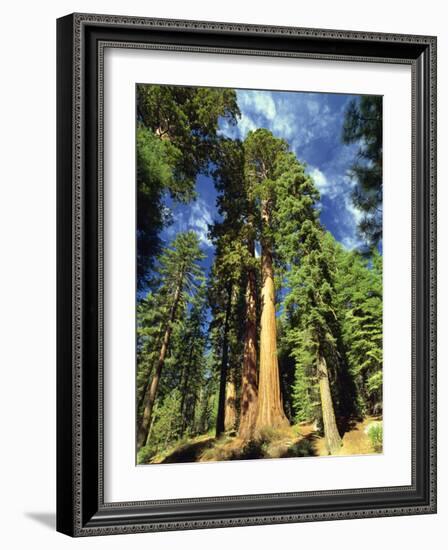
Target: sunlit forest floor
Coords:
[[300, 440]]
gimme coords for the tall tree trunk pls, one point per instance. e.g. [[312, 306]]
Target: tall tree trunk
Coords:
[[186, 379], [220, 419], [270, 408], [249, 392], [141, 397], [332, 438], [230, 408], [151, 392]]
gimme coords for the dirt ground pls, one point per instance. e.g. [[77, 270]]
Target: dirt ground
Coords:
[[355, 441], [295, 441]]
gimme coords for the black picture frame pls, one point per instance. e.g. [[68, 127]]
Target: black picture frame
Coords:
[[81, 510]]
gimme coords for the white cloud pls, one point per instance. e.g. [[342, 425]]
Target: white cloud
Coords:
[[299, 118], [197, 218], [319, 179], [351, 242], [328, 187], [339, 189], [257, 101], [313, 107], [283, 125], [351, 208], [200, 220], [245, 125], [179, 225], [351, 219]]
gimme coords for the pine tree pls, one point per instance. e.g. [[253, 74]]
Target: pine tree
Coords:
[[206, 410], [359, 287], [180, 275], [188, 357], [313, 324], [151, 312], [305, 388], [296, 199]]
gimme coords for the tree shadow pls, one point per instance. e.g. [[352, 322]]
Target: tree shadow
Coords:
[[250, 450], [303, 447], [189, 452], [346, 424]]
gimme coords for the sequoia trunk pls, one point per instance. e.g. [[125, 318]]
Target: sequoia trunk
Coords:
[[230, 408], [220, 419], [332, 438], [270, 408], [249, 393]]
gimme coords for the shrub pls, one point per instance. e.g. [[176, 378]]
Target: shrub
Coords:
[[375, 434], [269, 434], [145, 454]]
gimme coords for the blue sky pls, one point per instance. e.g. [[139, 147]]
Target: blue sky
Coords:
[[312, 125]]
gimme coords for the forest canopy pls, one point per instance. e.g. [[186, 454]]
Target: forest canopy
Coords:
[[259, 274]]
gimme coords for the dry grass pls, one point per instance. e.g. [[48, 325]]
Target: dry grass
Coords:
[[354, 442], [294, 441]]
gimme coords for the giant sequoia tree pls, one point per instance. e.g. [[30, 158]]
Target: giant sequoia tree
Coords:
[[180, 275], [265, 197], [262, 153]]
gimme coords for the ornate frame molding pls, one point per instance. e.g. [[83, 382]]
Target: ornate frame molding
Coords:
[[81, 42]]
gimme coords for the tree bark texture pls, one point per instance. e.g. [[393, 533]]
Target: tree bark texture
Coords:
[[249, 392], [332, 438], [230, 408], [220, 419], [270, 408], [186, 381]]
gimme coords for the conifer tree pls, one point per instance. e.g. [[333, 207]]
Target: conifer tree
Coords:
[[188, 357], [262, 151], [234, 270], [284, 197], [359, 288], [180, 275], [206, 410], [313, 324], [296, 199]]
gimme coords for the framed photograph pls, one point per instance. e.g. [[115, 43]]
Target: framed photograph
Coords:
[[246, 274]]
